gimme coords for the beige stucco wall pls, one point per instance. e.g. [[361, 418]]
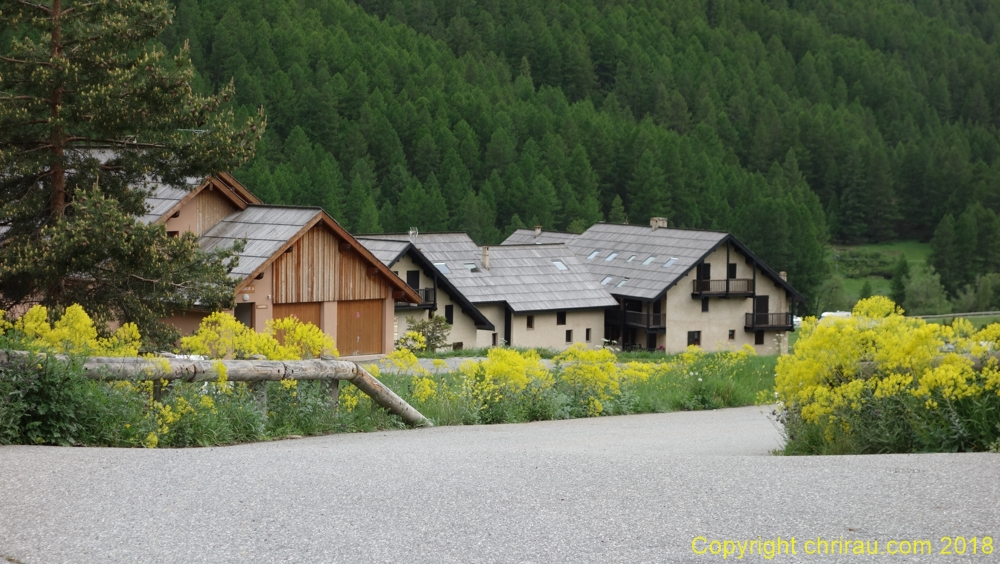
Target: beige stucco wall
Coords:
[[683, 313], [549, 335], [495, 313], [463, 330]]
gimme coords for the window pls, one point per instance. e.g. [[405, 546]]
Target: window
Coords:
[[611, 256], [472, 267], [442, 267], [758, 337], [495, 339], [594, 254], [457, 346], [413, 279], [569, 335], [622, 283], [731, 271], [560, 318], [704, 304], [694, 338], [732, 334], [449, 314], [631, 258], [173, 233], [588, 334], [671, 262], [648, 261], [606, 280], [531, 322], [560, 265]]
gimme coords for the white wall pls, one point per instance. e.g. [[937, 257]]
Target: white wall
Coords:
[[546, 333], [463, 329]]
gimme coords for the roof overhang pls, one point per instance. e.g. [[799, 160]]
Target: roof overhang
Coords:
[[225, 184]]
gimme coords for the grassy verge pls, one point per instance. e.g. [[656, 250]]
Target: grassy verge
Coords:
[[46, 402]]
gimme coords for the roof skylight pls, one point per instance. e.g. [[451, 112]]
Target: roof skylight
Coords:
[[442, 267], [631, 258], [622, 283], [671, 262], [649, 260], [606, 280], [594, 254], [472, 267], [560, 265], [611, 256]]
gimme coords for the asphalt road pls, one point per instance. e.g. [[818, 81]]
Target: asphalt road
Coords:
[[613, 489]]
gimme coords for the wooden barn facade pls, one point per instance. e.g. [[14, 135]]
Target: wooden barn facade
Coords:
[[296, 261]]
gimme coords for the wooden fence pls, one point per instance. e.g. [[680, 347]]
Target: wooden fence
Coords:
[[187, 370]]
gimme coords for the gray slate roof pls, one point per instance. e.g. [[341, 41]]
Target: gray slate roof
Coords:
[[629, 277], [386, 250], [265, 228], [522, 276], [162, 197], [643, 281]]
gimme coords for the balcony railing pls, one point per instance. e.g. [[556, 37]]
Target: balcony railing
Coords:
[[758, 321], [428, 297], [636, 318], [736, 287]]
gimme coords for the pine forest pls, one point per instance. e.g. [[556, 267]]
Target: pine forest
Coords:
[[791, 123]]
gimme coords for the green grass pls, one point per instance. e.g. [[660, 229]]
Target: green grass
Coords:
[[915, 251], [978, 321]]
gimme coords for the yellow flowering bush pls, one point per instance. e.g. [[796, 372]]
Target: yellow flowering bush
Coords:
[[881, 382], [73, 333], [220, 335], [592, 374]]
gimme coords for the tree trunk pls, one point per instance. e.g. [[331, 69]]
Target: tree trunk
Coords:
[[57, 200]]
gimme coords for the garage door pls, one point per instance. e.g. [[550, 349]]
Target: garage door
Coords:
[[359, 327], [308, 312]]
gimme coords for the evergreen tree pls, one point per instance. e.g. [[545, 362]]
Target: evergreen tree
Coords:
[[900, 273], [617, 213], [944, 254], [77, 75]]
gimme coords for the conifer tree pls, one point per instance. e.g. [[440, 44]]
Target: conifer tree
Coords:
[[900, 274], [91, 114]]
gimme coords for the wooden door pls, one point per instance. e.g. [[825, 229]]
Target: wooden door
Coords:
[[359, 327], [308, 312]]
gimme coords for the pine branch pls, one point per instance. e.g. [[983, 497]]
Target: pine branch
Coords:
[[44, 9], [20, 62]]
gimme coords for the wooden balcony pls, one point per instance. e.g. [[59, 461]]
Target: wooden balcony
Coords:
[[769, 322], [428, 298], [739, 287], [635, 319]]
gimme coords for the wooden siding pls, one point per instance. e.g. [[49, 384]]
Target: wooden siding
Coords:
[[306, 312], [211, 208], [359, 327], [356, 282], [308, 271]]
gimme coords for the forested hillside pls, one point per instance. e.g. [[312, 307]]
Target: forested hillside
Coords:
[[787, 123]]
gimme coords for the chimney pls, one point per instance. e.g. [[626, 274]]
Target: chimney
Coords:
[[783, 275], [486, 258], [658, 222], [413, 235], [538, 230]]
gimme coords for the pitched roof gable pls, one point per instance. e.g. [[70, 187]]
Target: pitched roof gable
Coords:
[[525, 277], [639, 260], [270, 230], [390, 251]]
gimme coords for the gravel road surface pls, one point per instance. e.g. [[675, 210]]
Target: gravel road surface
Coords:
[[613, 489]]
